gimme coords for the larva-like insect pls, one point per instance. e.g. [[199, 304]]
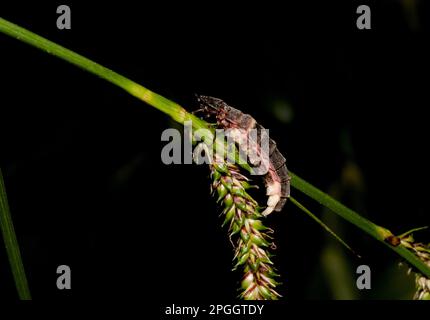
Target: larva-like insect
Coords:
[[276, 178]]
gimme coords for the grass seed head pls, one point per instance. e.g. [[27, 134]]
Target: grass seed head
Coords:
[[248, 235], [422, 251]]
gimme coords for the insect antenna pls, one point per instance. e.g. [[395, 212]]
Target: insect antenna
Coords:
[[198, 110]]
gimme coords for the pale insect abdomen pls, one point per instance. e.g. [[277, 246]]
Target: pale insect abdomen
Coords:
[[276, 178]]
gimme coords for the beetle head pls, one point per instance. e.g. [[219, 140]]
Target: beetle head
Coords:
[[211, 104]]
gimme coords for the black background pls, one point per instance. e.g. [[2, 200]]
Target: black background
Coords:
[[81, 158]]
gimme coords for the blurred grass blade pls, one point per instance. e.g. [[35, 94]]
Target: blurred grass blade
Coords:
[[379, 233], [403, 235], [11, 245], [179, 114], [171, 108], [323, 225]]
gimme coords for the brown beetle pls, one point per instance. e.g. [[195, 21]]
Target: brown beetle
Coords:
[[276, 178]]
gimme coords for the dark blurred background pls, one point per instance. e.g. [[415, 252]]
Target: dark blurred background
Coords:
[[81, 158]]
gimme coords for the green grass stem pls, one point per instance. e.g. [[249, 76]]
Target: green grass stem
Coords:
[[179, 114], [11, 244]]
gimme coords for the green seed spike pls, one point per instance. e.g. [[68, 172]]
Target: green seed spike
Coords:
[[235, 230], [229, 215], [245, 248], [221, 168], [241, 205], [215, 175], [222, 191], [248, 280], [265, 292], [238, 191], [227, 182], [228, 201], [247, 233], [244, 235], [246, 185], [265, 260], [242, 260], [422, 252], [257, 225], [269, 281], [259, 240]]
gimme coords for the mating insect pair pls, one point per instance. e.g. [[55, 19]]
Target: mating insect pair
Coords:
[[276, 178]]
